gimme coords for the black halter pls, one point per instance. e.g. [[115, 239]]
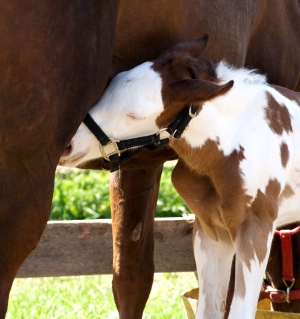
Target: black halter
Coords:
[[117, 152]]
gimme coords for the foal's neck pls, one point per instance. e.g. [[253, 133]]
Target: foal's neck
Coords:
[[219, 122]]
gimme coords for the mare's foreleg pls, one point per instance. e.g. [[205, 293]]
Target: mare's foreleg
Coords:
[[25, 197], [133, 202]]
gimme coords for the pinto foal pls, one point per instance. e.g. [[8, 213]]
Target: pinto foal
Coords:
[[239, 161]]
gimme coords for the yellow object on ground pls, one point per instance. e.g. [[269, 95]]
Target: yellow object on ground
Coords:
[[190, 299], [264, 314]]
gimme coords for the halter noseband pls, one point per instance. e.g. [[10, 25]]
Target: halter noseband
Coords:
[[117, 152]]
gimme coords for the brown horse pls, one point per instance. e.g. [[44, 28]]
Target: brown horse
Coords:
[[55, 60]]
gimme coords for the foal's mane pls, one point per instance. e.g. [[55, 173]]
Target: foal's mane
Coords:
[[226, 72]]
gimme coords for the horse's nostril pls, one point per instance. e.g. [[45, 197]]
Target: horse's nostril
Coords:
[[67, 150]]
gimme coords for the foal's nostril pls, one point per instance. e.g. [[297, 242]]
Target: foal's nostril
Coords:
[[67, 150]]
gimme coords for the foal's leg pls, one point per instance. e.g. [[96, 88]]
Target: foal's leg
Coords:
[[253, 246], [213, 260], [213, 248]]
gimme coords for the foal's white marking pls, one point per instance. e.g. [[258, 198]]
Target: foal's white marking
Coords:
[[213, 260], [121, 111]]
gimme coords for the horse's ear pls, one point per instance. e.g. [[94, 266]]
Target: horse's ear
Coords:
[[196, 46], [217, 90], [196, 91]]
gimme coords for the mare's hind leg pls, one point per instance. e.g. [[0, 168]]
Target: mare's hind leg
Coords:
[[213, 260], [25, 197]]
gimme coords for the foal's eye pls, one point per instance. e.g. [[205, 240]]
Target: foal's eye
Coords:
[[135, 116]]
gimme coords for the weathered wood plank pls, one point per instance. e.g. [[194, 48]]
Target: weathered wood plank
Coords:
[[85, 248]]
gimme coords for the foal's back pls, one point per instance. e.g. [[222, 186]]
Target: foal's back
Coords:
[[261, 125]]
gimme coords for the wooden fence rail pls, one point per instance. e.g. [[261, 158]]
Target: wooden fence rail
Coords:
[[72, 248]]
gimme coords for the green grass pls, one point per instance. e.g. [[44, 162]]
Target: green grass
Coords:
[[90, 297]]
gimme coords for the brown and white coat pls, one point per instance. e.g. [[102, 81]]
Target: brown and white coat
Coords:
[[239, 161]]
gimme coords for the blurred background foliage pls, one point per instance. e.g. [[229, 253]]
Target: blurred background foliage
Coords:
[[84, 194]]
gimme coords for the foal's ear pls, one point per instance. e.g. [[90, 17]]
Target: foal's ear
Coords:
[[214, 90], [196, 91], [196, 46]]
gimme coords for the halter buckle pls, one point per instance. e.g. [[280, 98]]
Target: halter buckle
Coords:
[[111, 148], [164, 134], [283, 295], [274, 293], [288, 288]]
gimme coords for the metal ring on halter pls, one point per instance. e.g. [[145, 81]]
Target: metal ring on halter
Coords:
[[162, 134], [191, 114], [288, 288]]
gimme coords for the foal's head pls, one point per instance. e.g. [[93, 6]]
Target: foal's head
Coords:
[[150, 96]]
